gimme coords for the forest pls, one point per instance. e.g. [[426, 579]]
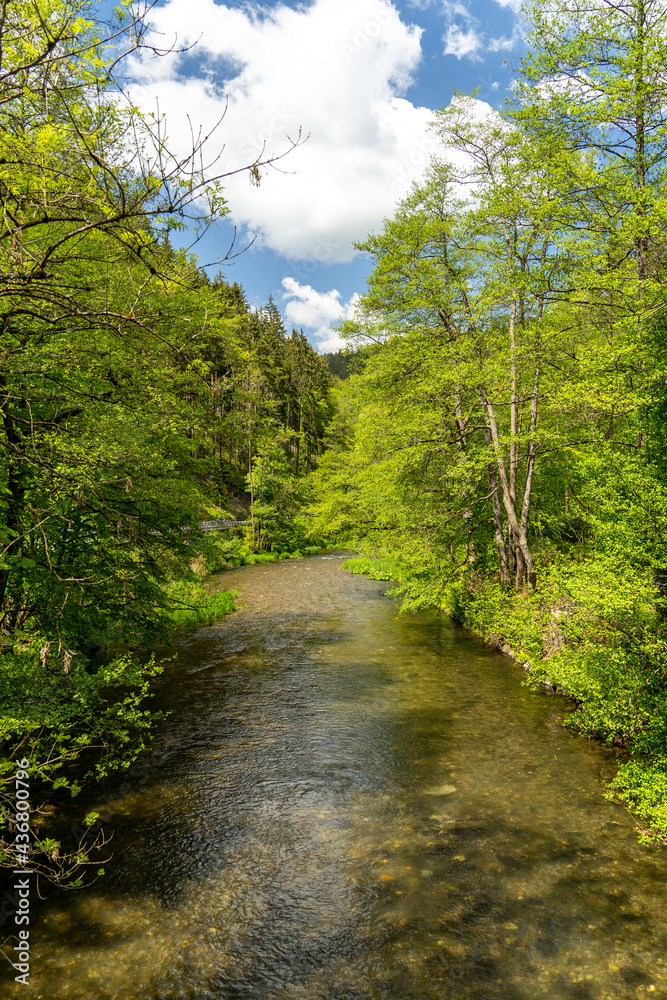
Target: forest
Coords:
[[492, 442]]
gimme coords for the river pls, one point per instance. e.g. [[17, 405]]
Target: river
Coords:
[[349, 804]]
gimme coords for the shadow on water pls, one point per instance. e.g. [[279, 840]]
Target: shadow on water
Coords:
[[349, 805]]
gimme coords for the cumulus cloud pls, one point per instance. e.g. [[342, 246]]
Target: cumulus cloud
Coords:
[[505, 43], [509, 43], [318, 311], [464, 37], [462, 43], [337, 69]]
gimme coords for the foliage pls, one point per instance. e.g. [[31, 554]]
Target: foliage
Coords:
[[223, 552], [344, 362], [642, 785], [595, 633]]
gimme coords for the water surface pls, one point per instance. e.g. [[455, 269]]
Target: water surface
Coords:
[[346, 804]]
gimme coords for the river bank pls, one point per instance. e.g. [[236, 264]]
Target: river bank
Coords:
[[589, 632]]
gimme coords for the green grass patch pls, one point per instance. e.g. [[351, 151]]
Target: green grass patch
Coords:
[[251, 558], [375, 569], [227, 553], [192, 606]]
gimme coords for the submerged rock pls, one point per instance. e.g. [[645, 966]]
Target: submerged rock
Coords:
[[441, 790]]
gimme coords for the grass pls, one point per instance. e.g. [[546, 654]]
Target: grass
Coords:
[[192, 606], [375, 569]]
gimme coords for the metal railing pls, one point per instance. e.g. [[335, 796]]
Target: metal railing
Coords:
[[220, 525]]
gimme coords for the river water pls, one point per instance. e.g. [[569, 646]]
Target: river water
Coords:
[[348, 804]]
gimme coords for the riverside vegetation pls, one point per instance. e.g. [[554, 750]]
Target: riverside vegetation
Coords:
[[504, 448], [137, 397]]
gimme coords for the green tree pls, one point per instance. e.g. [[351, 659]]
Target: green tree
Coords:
[[465, 285], [594, 81], [511, 417]]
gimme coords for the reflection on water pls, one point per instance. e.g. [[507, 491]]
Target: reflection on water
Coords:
[[350, 805]]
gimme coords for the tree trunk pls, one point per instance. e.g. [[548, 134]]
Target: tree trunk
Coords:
[[460, 422], [641, 242], [532, 452], [259, 517], [499, 532], [510, 508], [252, 492], [514, 446]]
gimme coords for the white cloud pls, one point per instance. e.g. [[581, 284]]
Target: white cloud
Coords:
[[464, 37], [453, 8], [461, 43], [318, 311], [509, 43], [503, 44], [335, 68]]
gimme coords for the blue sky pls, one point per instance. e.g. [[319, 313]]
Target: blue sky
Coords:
[[361, 79]]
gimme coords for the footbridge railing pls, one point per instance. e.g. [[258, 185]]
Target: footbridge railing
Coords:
[[221, 525]]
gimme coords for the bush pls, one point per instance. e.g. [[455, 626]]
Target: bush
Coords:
[[222, 552]]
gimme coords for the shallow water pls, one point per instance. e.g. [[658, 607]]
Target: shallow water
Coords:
[[350, 805]]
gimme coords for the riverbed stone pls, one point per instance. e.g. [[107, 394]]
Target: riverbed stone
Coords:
[[441, 790]]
